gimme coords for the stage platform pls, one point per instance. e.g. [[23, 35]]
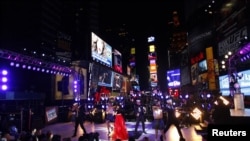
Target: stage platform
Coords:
[[65, 130], [240, 116], [240, 113]]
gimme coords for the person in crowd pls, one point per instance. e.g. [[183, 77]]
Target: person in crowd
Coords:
[[79, 117], [109, 116], [120, 130], [7, 136], [221, 112], [172, 120], [158, 122], [140, 116]]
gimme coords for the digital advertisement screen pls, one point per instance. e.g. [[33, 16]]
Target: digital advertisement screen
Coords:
[[66, 87], [101, 75], [202, 66], [117, 61], [153, 77], [151, 55], [101, 51], [244, 83], [173, 78], [117, 81]]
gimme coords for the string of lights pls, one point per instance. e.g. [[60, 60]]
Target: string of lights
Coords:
[[32, 63]]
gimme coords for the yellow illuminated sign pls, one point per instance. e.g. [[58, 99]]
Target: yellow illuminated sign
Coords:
[[152, 48], [132, 51]]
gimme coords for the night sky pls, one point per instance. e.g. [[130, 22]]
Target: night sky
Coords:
[[144, 19]]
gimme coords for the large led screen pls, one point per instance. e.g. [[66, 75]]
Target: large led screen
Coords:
[[66, 87], [102, 76], [244, 83], [202, 66], [173, 78], [101, 51], [117, 61], [117, 82]]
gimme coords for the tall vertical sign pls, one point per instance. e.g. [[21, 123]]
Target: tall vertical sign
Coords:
[[211, 69], [152, 62]]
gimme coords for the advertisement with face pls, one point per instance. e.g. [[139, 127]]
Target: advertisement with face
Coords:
[[101, 51]]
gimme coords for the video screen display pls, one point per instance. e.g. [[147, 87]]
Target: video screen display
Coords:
[[151, 55], [51, 114], [117, 61], [117, 82], [101, 51], [244, 83], [202, 66], [66, 84], [173, 78], [101, 75]]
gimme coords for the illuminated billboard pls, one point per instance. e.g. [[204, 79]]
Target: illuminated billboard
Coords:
[[101, 51], [102, 76], [66, 85], [202, 66], [173, 78], [117, 81], [117, 61], [244, 83]]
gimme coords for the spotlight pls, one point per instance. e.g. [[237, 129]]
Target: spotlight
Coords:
[[12, 63], [4, 87], [4, 72], [177, 113], [196, 113], [208, 95], [24, 66], [103, 106], [167, 96], [4, 79], [225, 101]]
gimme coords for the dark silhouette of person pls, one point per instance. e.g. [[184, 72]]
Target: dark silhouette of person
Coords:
[[232, 81], [139, 113], [79, 117], [221, 113], [172, 120]]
